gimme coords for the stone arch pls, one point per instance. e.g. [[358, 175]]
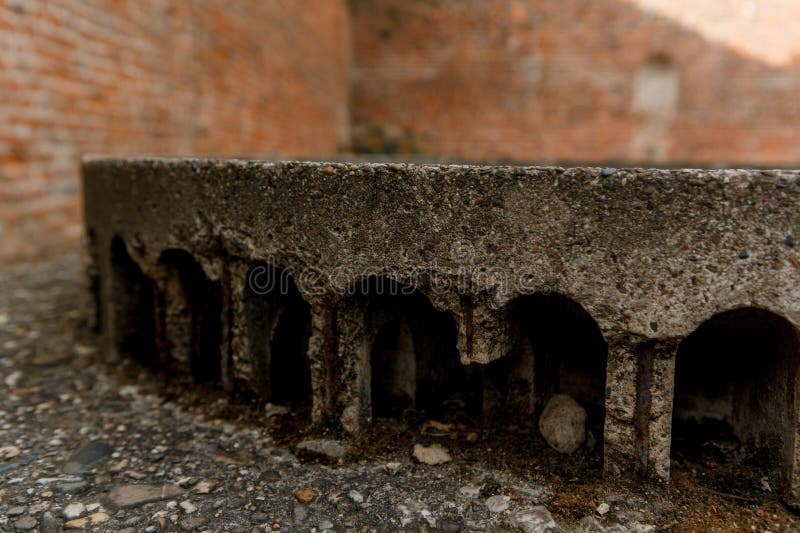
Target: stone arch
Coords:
[[190, 319], [277, 323], [558, 348], [736, 379], [413, 358], [133, 313]]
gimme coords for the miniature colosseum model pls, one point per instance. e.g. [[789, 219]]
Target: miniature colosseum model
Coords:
[[655, 298]]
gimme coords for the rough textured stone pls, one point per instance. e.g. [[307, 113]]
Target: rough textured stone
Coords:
[[535, 520], [306, 495], [133, 495], [86, 456], [74, 510], [498, 503], [563, 424], [49, 523], [648, 254], [322, 449], [431, 455], [26, 523]]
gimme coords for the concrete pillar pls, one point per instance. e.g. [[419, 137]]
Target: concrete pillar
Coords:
[[175, 308], [659, 417], [619, 434], [322, 359], [639, 390], [791, 487], [353, 361]]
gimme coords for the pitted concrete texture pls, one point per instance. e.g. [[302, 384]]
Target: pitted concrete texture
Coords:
[[359, 288]]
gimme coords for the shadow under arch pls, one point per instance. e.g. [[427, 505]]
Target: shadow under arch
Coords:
[[133, 306], [413, 358], [736, 379], [278, 325], [190, 316], [558, 348]]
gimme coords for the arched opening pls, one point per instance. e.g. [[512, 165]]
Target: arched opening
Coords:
[[132, 301], [191, 320], [735, 379], [414, 362], [278, 324], [557, 349]]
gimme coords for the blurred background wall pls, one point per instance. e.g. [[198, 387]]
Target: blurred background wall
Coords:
[[709, 82], [221, 77], [653, 82]]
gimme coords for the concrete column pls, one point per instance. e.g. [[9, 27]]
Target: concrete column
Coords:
[[659, 417], [177, 320], [791, 488], [322, 359], [353, 361], [639, 389], [240, 363], [619, 435]]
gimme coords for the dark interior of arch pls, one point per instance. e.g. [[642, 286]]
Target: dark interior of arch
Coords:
[[557, 349], [203, 309], [414, 360], [734, 389], [278, 321], [133, 305]]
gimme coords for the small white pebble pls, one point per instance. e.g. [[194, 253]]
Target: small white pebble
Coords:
[[74, 510], [12, 380], [188, 507], [498, 504]]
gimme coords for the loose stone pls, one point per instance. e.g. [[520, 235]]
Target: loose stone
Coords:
[[74, 510], [305, 495], [431, 455], [498, 504], [563, 424]]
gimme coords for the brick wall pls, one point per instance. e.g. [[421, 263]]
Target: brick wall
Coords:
[[154, 76], [678, 81], [647, 81]]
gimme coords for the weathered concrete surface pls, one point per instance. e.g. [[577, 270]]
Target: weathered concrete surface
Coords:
[[650, 254]]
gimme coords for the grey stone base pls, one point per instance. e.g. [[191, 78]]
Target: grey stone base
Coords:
[[362, 290]]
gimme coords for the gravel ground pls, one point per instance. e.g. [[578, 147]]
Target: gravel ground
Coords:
[[89, 445]]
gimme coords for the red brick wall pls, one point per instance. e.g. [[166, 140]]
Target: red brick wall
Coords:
[[152, 76], [718, 81], [647, 81]]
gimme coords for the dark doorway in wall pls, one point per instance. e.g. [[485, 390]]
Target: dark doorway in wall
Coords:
[[278, 323], [558, 349], [414, 360], [735, 379], [132, 299], [191, 315]]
